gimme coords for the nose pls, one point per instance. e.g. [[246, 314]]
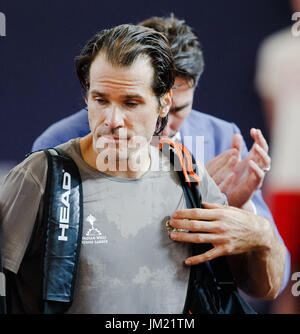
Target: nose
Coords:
[[114, 118]]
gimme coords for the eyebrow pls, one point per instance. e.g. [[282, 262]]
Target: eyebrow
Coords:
[[133, 96], [127, 96], [176, 109], [94, 91]]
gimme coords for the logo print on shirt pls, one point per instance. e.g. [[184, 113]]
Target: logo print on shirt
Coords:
[[93, 235], [92, 231]]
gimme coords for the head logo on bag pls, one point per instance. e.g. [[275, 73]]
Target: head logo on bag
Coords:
[[65, 208]]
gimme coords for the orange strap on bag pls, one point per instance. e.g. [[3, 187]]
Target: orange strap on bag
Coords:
[[180, 150]]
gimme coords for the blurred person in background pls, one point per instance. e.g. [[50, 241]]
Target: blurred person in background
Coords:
[[278, 84]]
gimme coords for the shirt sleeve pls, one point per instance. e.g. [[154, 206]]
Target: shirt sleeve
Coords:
[[20, 197]]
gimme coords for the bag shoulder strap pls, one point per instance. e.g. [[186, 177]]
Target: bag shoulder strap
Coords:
[[63, 214]]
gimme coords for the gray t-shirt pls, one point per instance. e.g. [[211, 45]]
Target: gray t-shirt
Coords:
[[128, 263]]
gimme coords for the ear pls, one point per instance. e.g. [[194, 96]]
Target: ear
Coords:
[[165, 104]]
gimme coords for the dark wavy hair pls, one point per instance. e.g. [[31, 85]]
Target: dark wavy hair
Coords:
[[185, 45], [122, 45]]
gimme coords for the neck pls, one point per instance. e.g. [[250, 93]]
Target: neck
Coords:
[[121, 168]]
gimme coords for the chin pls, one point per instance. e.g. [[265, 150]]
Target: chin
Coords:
[[111, 160]]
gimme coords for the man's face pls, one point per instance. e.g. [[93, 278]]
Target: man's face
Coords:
[[122, 107], [182, 101]]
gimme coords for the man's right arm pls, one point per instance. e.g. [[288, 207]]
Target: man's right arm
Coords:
[[218, 137], [20, 197]]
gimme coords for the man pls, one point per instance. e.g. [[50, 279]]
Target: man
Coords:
[[127, 73], [237, 172]]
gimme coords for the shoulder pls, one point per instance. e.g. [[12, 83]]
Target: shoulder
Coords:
[[198, 119], [216, 131], [33, 169], [26, 182], [216, 135]]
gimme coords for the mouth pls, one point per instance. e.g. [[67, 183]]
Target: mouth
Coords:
[[114, 139]]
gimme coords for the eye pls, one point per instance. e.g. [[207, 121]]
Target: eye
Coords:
[[131, 104], [100, 100]]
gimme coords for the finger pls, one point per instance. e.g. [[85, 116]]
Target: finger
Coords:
[[197, 238], [225, 171], [226, 184], [237, 142], [259, 139], [259, 174], [217, 209], [195, 225], [263, 156], [207, 256], [213, 205], [216, 163], [194, 214], [198, 214], [219, 161]]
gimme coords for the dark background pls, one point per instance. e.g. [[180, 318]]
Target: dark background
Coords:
[[38, 84]]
